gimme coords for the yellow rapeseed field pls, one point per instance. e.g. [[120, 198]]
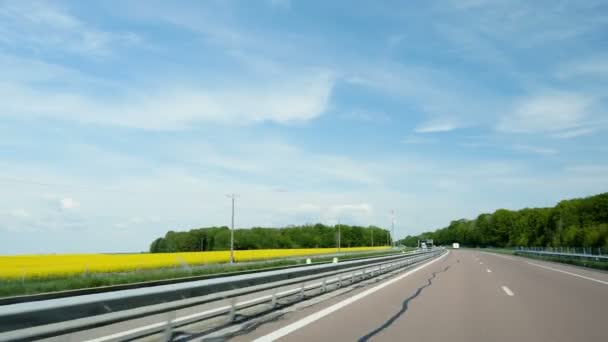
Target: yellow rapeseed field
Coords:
[[57, 265]]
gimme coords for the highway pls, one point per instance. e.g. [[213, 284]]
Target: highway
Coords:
[[461, 295], [465, 295]]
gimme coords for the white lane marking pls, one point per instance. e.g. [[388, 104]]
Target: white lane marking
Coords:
[[508, 291], [320, 314], [489, 270], [570, 273], [126, 333], [501, 256], [481, 263]]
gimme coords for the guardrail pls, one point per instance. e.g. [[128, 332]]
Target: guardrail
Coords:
[[595, 257], [43, 319]]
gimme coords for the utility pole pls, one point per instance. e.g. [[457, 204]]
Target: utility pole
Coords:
[[339, 236], [393, 228], [233, 197]]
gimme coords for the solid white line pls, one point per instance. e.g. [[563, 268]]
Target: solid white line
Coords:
[[570, 273], [508, 291], [126, 333], [320, 314], [489, 270]]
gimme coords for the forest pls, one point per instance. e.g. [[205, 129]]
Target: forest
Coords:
[[306, 236], [581, 222]]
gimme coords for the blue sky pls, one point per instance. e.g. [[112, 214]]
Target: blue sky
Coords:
[[120, 120]]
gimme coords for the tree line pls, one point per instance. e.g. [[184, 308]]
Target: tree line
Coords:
[[306, 236], [581, 222]]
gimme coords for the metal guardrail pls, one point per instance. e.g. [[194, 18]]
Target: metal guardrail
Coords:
[[31, 321], [564, 255]]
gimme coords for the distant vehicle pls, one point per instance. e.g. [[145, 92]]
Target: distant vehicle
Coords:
[[455, 245], [423, 246]]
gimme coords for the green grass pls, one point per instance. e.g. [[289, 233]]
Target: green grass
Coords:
[[9, 288]]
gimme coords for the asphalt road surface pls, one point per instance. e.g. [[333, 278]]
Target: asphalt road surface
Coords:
[[465, 295]]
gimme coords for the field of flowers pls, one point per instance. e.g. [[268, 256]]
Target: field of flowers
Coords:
[[58, 265]]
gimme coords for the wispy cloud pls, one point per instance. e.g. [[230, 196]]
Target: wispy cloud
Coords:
[[366, 115], [284, 101], [43, 25], [547, 113], [592, 67], [68, 203], [575, 133], [536, 149], [436, 126]]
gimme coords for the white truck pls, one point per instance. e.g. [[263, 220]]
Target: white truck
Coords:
[[455, 245]]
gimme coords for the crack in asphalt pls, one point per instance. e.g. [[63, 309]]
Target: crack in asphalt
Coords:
[[404, 306]]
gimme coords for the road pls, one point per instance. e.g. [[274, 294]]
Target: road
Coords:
[[465, 295]]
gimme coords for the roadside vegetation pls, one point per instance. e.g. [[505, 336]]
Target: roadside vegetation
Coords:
[[579, 222], [65, 265], [292, 237], [34, 285]]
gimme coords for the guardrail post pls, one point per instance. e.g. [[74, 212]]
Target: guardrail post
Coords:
[[302, 291], [324, 286], [168, 334], [352, 278], [273, 302], [340, 281], [232, 312]]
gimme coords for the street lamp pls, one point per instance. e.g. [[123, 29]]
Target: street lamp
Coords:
[[233, 197]]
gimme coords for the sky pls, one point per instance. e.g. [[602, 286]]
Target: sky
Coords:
[[121, 120]]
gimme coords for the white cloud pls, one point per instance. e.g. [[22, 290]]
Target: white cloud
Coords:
[[68, 203], [575, 133], [435, 126], [547, 113], [589, 169], [20, 213], [362, 208], [536, 149], [283, 101], [306, 208]]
